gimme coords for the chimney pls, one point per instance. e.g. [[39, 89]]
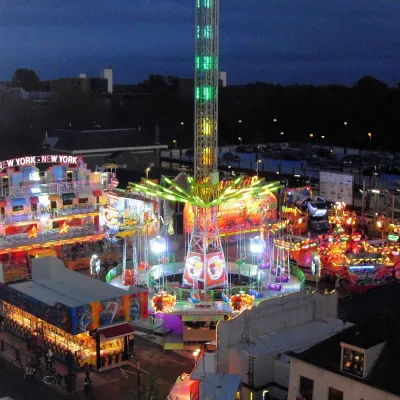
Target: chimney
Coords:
[[157, 141]]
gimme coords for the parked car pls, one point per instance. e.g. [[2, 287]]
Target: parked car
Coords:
[[244, 149], [324, 153], [231, 157]]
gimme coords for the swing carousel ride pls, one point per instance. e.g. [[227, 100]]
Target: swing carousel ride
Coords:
[[210, 283]]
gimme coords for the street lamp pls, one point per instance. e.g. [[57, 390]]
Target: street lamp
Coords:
[[322, 140], [370, 139], [138, 377], [275, 120], [158, 246], [257, 245], [240, 140], [258, 162], [147, 173], [345, 123], [240, 121], [311, 135], [182, 123], [175, 142]]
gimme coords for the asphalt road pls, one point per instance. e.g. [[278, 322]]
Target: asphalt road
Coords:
[[159, 370]]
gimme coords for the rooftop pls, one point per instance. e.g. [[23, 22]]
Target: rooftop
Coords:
[[102, 139], [219, 386], [52, 282], [386, 370], [298, 338], [359, 308]]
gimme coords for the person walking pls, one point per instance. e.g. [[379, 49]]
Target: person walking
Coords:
[[70, 362], [49, 360], [87, 370]]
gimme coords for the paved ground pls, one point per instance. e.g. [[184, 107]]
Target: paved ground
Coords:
[[158, 372]]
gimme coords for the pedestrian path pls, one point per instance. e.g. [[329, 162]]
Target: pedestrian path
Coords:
[[15, 350]]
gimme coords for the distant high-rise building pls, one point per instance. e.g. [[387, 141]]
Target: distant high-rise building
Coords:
[[223, 78], [108, 74]]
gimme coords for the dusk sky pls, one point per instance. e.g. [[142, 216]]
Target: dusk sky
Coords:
[[277, 41]]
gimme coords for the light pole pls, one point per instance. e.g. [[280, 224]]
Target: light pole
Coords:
[[240, 140], [258, 162], [282, 133], [370, 139], [158, 246], [138, 377], [147, 173], [322, 141], [257, 248], [175, 142]]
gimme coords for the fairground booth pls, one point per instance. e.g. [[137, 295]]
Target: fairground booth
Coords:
[[54, 205], [67, 311]]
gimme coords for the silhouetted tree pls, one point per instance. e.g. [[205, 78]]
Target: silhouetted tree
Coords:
[[25, 78]]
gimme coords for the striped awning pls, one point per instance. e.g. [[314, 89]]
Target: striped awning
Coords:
[[18, 201], [34, 200], [68, 196], [85, 194], [54, 197]]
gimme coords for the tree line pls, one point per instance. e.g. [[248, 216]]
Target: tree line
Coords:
[[257, 112]]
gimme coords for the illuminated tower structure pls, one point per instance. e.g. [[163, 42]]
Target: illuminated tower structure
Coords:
[[205, 262], [205, 247]]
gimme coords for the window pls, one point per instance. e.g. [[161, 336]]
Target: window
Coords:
[[306, 388], [335, 394], [353, 362], [53, 204], [18, 208], [83, 201]]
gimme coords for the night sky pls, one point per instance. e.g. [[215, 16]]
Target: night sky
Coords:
[[278, 41]]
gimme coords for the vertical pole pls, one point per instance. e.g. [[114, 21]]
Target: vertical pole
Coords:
[[363, 203], [393, 204], [123, 257]]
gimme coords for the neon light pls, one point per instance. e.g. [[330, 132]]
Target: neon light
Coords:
[[208, 32], [64, 228], [361, 267], [44, 159]]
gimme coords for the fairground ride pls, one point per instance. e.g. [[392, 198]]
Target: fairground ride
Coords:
[[206, 193]]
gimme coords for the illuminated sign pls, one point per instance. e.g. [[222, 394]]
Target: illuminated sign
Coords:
[[33, 160], [393, 238], [361, 267], [244, 183]]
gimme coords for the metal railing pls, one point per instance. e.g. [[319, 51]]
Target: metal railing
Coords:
[[51, 188], [55, 213], [47, 236]]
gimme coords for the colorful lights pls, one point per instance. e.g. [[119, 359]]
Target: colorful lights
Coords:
[[64, 228], [233, 191], [163, 302], [241, 301]]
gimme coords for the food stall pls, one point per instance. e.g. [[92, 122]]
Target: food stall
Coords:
[[67, 311]]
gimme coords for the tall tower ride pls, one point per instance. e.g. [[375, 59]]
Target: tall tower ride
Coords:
[[205, 265], [206, 89], [205, 261]]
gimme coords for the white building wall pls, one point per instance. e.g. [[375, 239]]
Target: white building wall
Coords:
[[272, 315], [204, 365], [108, 74], [281, 372], [352, 389]]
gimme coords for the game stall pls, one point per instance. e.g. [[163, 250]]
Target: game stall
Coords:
[[66, 311]]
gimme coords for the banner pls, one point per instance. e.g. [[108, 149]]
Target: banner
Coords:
[[216, 274], [216, 270], [193, 268]]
